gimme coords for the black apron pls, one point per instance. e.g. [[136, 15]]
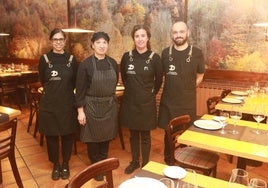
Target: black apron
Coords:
[[139, 103], [179, 92], [101, 107], [57, 114]]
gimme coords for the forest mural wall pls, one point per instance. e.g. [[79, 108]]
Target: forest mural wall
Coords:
[[223, 29], [30, 21]]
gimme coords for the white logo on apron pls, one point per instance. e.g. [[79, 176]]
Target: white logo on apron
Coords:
[[54, 73], [171, 70], [171, 67], [130, 67]]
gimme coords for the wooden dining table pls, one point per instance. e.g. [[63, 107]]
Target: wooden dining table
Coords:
[[11, 112], [246, 144], [244, 103], [155, 170]]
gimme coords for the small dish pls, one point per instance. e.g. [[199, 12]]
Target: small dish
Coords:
[[208, 124], [232, 100], [175, 172], [120, 88], [142, 182], [240, 93]]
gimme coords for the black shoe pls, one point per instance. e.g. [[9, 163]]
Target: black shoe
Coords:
[[65, 172], [56, 172], [131, 167], [99, 177]]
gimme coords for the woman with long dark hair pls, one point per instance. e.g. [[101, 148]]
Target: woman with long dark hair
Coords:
[[141, 73]]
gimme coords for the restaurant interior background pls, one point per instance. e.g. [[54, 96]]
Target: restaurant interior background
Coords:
[[235, 49]]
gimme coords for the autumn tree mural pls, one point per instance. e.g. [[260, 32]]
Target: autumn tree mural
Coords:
[[30, 21], [225, 31]]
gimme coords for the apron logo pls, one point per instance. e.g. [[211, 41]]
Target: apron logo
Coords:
[[130, 67], [54, 73], [146, 68], [171, 68]]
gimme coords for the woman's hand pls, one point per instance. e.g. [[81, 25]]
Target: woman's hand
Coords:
[[81, 116]]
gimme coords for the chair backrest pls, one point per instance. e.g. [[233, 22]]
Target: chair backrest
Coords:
[[175, 128], [225, 92], [9, 84], [103, 167], [7, 140], [32, 92], [211, 103], [29, 78]]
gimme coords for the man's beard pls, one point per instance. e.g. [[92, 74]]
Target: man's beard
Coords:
[[181, 42]]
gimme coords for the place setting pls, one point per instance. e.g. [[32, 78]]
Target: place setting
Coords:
[[172, 178]]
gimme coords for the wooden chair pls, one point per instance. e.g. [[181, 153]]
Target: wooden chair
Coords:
[[7, 148], [104, 167], [211, 103], [24, 80], [8, 88], [225, 92], [34, 100], [189, 157]]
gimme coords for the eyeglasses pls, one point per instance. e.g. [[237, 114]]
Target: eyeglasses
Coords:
[[58, 39]]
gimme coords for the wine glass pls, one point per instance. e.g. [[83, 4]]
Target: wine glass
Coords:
[[191, 180], [235, 115], [238, 176], [223, 121], [257, 183], [258, 116], [169, 183]]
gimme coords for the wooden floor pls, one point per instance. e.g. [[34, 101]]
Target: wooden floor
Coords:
[[35, 169]]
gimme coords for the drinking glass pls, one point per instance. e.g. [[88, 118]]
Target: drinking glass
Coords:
[[258, 116], [191, 180], [235, 115], [238, 176], [223, 121], [257, 183], [169, 183]]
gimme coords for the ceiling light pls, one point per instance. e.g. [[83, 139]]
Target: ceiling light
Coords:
[[74, 29], [77, 30], [4, 34]]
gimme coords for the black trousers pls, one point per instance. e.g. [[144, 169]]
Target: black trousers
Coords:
[[97, 151], [140, 142], [53, 147]]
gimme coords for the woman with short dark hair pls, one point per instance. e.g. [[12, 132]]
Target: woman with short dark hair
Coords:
[[97, 78]]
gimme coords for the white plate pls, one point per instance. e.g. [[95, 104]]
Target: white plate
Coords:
[[120, 88], [142, 182], [175, 172], [207, 124], [241, 93], [232, 100]]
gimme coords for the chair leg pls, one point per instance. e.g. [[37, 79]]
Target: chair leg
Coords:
[[230, 158], [214, 171], [1, 178], [15, 170], [32, 113], [121, 137]]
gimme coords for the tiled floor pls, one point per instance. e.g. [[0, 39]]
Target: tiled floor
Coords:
[[35, 168]]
